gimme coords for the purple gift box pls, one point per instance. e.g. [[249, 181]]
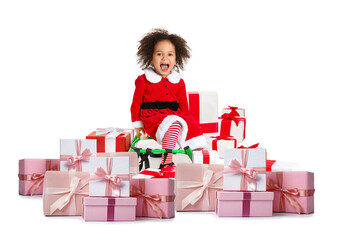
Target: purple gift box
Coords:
[[244, 204], [109, 209]]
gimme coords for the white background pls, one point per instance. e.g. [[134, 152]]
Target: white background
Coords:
[[67, 67]]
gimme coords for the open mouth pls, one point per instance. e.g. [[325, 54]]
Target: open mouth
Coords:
[[164, 67]]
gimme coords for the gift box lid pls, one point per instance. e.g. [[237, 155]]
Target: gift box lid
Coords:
[[239, 196], [37, 165], [109, 201], [293, 179]]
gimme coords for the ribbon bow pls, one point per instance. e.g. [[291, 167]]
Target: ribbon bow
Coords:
[[249, 175], [148, 199], [110, 131], [209, 180], [113, 182], [288, 194], [252, 146], [76, 187], [232, 115], [74, 162]]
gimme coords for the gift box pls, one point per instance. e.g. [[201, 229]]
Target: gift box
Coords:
[[110, 176], [244, 204], [133, 160], [219, 143], [31, 174], [233, 123], [204, 108], [206, 157], [155, 197], [196, 186], [111, 139], [75, 154], [245, 169], [293, 191], [109, 209], [63, 192]]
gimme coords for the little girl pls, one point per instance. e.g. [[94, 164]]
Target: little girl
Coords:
[[159, 107]]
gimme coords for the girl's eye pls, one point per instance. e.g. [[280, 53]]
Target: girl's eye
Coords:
[[158, 54]]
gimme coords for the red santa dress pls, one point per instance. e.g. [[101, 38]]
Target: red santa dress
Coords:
[[158, 102]]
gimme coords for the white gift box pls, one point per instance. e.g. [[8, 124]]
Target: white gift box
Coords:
[[232, 128], [206, 157], [240, 167], [119, 167], [75, 154], [218, 144], [204, 108]]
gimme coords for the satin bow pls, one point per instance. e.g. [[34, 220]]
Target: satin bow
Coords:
[[249, 175], [288, 194], [68, 194], [113, 182], [74, 162], [232, 115], [209, 181], [148, 199]]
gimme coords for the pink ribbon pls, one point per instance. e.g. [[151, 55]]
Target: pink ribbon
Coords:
[[75, 161], [68, 194], [288, 194], [201, 189], [113, 182], [249, 175]]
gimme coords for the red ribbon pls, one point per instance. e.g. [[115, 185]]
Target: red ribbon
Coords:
[[252, 146], [166, 172], [205, 157], [227, 119]]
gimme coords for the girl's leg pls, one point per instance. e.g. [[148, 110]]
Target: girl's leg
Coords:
[[170, 140]]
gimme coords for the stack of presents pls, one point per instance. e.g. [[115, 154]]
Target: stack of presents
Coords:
[[102, 179]]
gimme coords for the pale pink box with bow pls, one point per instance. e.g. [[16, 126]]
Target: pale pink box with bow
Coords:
[[109, 209], [244, 204], [155, 197], [245, 169], [31, 174], [196, 186], [294, 191], [63, 192], [76, 153], [110, 174]]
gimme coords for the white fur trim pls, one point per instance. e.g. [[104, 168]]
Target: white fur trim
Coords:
[[166, 123], [153, 77], [138, 124], [197, 142]]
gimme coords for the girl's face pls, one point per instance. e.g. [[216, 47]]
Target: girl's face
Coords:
[[164, 57]]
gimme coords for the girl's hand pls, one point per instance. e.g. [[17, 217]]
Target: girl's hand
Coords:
[[139, 131]]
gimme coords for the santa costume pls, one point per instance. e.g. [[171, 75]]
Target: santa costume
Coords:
[[159, 102]]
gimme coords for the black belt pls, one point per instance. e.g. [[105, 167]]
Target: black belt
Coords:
[[160, 105]]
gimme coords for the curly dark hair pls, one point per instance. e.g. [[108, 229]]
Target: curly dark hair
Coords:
[[148, 42]]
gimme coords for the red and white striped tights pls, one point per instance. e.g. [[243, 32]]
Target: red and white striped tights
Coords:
[[170, 139]]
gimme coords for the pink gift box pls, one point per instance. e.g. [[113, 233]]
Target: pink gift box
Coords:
[[63, 192], [109, 209], [196, 186], [294, 191], [244, 204], [31, 174], [155, 197]]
